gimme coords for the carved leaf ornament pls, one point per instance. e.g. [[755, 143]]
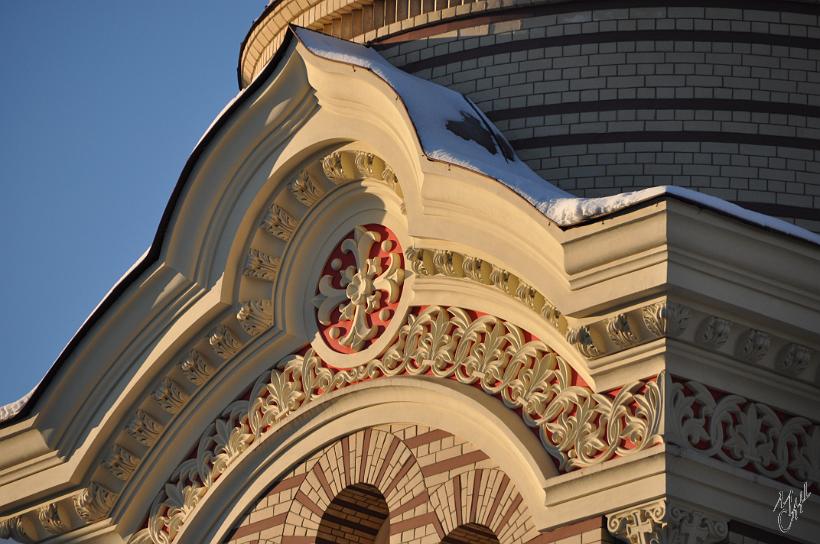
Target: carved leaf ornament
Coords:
[[577, 427], [745, 433], [358, 293]]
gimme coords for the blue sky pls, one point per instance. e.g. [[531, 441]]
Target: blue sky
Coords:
[[101, 104]]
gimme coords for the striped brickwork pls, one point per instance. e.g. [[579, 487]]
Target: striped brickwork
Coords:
[[605, 100], [434, 486]]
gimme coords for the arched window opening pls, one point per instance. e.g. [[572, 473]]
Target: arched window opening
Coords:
[[358, 515], [470, 533]]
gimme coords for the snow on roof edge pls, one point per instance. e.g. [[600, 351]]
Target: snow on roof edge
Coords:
[[565, 211], [556, 204]]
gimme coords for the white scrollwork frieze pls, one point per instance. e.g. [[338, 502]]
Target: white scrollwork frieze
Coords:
[[577, 426], [744, 433]]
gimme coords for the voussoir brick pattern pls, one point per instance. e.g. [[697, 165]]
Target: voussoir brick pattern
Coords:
[[426, 484]]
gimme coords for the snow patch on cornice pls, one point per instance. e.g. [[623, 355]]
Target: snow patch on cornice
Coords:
[[432, 108]]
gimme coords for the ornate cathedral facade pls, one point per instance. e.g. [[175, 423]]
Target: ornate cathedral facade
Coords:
[[367, 316]]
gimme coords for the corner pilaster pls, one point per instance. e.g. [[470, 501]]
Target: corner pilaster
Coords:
[[659, 522]]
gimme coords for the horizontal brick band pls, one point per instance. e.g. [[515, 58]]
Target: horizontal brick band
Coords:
[[513, 13], [756, 106], [614, 36], [665, 136]]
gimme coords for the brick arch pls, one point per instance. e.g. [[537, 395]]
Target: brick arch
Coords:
[[371, 456], [357, 515], [471, 533], [437, 486], [483, 497]]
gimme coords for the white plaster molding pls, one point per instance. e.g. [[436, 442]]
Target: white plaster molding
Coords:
[[644, 524], [743, 433], [662, 522], [442, 343]]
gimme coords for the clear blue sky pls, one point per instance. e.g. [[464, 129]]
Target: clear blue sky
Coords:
[[101, 103]]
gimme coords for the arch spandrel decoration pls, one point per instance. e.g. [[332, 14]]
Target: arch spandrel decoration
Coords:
[[370, 287]]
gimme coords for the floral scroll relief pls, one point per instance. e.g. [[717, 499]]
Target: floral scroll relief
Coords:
[[643, 524], [744, 433], [577, 426], [362, 286]]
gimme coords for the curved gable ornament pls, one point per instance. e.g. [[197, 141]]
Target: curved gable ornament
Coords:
[[577, 427]]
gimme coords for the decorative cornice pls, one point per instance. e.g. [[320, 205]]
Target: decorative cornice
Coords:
[[144, 429], [13, 528], [279, 223], [305, 189], [261, 266], [644, 524], [688, 526], [578, 427], [121, 463], [94, 502], [665, 318], [195, 368], [743, 433], [49, 518], [659, 522], [224, 342], [606, 336], [255, 316], [168, 395]]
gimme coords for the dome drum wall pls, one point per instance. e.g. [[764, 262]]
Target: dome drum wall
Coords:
[[601, 99]]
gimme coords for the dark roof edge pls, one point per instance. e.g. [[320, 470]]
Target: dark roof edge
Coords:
[[153, 253], [269, 8]]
